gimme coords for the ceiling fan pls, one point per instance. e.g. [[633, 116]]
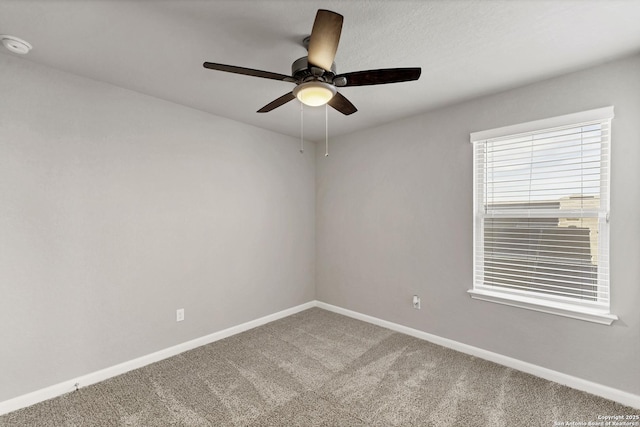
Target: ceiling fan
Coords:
[[315, 75]]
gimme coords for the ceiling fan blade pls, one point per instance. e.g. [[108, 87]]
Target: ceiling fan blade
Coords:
[[342, 104], [325, 36], [248, 71], [379, 77], [277, 103]]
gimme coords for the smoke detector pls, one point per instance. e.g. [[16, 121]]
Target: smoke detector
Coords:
[[16, 45]]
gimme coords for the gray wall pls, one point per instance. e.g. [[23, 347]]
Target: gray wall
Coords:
[[116, 209], [394, 218]]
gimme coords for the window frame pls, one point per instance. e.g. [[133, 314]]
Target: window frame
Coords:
[[582, 310]]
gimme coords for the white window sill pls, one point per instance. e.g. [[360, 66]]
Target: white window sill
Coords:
[[551, 307]]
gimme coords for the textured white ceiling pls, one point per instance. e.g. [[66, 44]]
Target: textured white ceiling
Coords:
[[465, 48]]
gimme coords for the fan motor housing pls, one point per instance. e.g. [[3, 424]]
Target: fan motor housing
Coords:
[[302, 72]]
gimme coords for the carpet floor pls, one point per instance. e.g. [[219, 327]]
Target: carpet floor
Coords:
[[318, 368]]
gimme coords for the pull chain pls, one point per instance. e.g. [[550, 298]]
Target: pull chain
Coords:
[[326, 130], [301, 127]]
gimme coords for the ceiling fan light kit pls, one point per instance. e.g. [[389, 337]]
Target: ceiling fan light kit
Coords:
[[314, 93]]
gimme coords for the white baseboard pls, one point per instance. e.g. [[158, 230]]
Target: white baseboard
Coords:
[[64, 387], [103, 374], [606, 392]]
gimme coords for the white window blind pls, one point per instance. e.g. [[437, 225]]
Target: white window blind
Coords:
[[542, 210]]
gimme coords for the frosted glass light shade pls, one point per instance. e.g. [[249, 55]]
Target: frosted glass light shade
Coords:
[[314, 94]]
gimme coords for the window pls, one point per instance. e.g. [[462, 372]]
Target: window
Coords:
[[541, 210]]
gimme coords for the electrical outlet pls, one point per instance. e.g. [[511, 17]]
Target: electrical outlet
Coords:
[[180, 315], [416, 302]]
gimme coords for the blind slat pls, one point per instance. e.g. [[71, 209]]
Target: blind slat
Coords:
[[560, 270]]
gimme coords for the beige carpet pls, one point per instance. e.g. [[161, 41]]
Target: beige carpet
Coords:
[[318, 368]]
